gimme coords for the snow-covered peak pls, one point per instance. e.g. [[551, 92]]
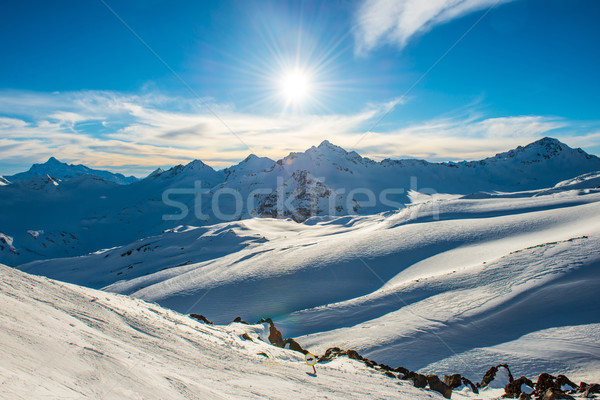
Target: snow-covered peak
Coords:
[[156, 172], [249, 166], [195, 165], [64, 171], [326, 145], [186, 175], [53, 161], [543, 149]]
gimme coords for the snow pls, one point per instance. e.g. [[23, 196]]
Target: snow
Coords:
[[63, 171], [63, 341], [438, 286], [322, 181], [499, 264]]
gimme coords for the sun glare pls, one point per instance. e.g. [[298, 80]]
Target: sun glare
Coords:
[[295, 86]]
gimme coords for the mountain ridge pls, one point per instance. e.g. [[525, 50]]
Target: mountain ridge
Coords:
[[88, 212], [63, 171]]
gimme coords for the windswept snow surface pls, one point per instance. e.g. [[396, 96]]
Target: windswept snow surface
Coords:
[[61, 341], [444, 285]]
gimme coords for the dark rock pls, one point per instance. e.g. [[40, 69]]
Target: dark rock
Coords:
[[293, 345], [274, 335], [555, 394], [452, 381], [562, 380], [544, 382], [473, 387], [369, 363], [240, 320], [513, 389], [385, 367], [330, 354], [525, 396], [245, 336], [419, 380], [201, 318], [354, 355], [403, 371], [439, 386], [490, 375], [390, 374], [589, 389]]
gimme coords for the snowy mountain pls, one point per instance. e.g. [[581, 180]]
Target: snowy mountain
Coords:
[[64, 341], [96, 213], [4, 181], [63, 171], [444, 285]]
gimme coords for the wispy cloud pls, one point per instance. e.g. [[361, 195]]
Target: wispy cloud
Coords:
[[135, 134], [381, 22]]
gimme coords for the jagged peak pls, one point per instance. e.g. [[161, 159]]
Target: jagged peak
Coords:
[[251, 157], [326, 144], [53, 160], [196, 164], [156, 172], [548, 143]]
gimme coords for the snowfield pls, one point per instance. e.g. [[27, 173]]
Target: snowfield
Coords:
[[63, 341], [439, 286], [500, 265]]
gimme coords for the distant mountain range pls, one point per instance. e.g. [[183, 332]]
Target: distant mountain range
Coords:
[[62, 171], [80, 210]]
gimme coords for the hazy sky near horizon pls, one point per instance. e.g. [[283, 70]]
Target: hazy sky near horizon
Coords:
[[133, 85]]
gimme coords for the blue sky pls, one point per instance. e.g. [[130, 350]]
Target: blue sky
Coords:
[[76, 83]]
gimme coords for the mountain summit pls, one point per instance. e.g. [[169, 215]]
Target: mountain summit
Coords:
[[64, 171]]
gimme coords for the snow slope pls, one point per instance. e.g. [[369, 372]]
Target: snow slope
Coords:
[[63, 341], [434, 286], [63, 171], [95, 213]]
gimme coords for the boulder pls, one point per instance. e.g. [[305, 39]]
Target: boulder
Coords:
[[544, 382], [403, 372], [201, 318], [470, 384], [240, 320], [293, 345], [419, 380], [439, 386], [565, 384], [453, 381], [493, 375], [589, 389], [274, 335], [514, 389], [555, 394]]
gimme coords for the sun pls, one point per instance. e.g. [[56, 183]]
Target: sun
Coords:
[[295, 86]]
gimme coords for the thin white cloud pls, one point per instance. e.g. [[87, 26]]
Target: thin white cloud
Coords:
[[133, 134], [381, 22]]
